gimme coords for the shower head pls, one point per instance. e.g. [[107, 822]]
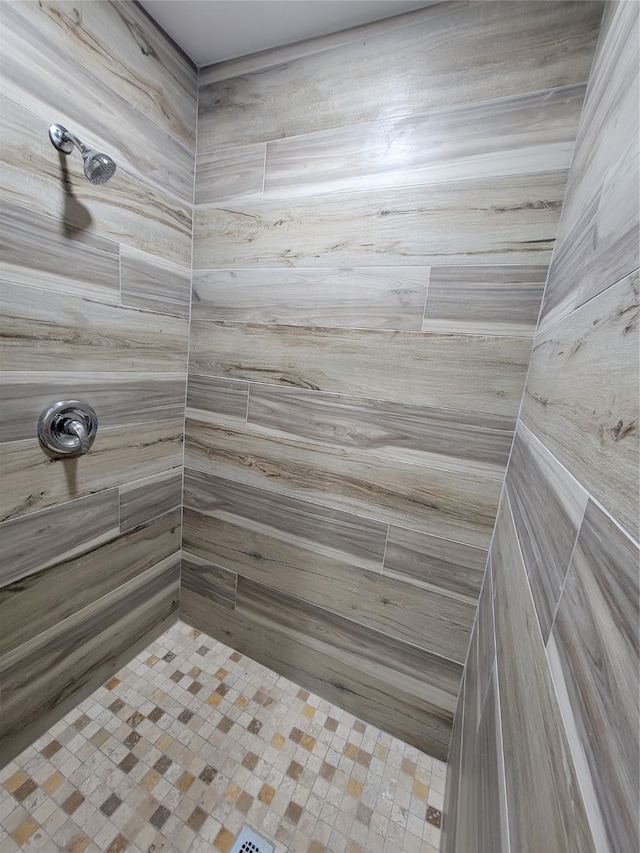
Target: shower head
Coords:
[[97, 167]]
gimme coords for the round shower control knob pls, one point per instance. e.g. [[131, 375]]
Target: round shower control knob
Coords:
[[68, 427]]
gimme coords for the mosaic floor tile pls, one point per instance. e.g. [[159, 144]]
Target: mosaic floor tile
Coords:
[[192, 741]]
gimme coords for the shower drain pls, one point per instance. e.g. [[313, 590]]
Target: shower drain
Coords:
[[248, 842]]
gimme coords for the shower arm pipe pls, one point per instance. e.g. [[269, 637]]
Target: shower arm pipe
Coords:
[[82, 148]]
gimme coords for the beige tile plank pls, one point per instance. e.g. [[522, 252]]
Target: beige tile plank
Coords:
[[445, 438], [119, 398], [545, 806], [548, 505], [208, 581], [484, 300], [365, 298], [334, 533], [32, 481], [40, 73], [430, 620], [597, 242], [230, 173], [128, 209], [82, 580], [222, 398], [509, 220], [143, 500], [593, 652], [501, 50], [366, 695], [42, 251], [433, 563], [458, 506], [62, 532], [53, 332], [50, 674], [464, 372], [519, 135], [149, 282], [581, 398]]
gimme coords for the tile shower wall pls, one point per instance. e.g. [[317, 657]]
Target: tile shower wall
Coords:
[[545, 751], [96, 305], [375, 215]]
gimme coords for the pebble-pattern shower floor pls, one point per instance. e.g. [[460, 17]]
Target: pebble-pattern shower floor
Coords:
[[191, 741]]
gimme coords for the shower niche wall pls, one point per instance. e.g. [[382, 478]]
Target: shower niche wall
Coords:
[[369, 255]]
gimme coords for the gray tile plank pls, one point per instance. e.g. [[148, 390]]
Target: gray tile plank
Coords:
[[435, 679], [468, 795], [119, 398], [50, 674], [208, 581], [464, 372], [287, 53], [581, 398], [143, 500], [492, 818], [230, 173], [598, 230], [510, 220], [365, 298], [149, 282], [41, 74], [128, 210], [501, 50], [593, 652], [219, 397], [32, 481], [133, 57], [52, 332], [40, 251], [450, 811], [519, 135], [433, 563], [458, 506], [486, 637], [334, 533], [548, 505], [445, 438], [82, 580], [545, 806], [62, 532], [432, 621], [316, 666], [484, 300]]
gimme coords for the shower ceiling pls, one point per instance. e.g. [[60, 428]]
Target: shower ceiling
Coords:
[[211, 31]]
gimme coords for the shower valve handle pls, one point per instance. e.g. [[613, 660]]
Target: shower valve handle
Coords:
[[68, 428]]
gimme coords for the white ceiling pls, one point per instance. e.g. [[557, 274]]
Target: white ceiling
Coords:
[[210, 31]]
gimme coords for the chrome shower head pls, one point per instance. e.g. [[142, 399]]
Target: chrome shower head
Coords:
[[97, 167]]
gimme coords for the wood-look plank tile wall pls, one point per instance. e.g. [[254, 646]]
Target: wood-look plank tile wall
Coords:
[[370, 250], [552, 679], [95, 301]]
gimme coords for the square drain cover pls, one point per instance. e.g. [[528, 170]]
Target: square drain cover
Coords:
[[249, 842]]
